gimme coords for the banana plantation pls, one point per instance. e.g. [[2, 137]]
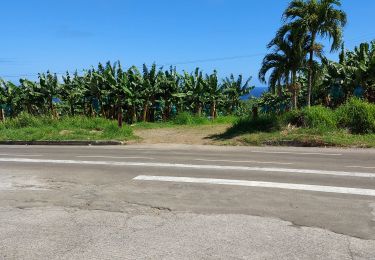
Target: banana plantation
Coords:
[[131, 95]]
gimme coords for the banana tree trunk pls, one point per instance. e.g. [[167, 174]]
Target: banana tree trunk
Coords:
[[2, 115], [167, 111], [72, 110], [145, 111], [134, 114], [119, 116], [199, 109], [213, 110]]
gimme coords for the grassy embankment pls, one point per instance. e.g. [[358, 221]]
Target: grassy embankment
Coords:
[[29, 128], [351, 125]]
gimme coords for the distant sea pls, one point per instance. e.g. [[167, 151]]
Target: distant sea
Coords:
[[256, 92]]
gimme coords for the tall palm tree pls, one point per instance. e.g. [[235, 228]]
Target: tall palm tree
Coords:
[[318, 18], [277, 63], [286, 60]]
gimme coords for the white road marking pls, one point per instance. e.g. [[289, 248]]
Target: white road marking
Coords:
[[20, 155], [297, 153], [193, 166], [363, 167], [114, 157], [261, 184], [372, 207], [207, 160]]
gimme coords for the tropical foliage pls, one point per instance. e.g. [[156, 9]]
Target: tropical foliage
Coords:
[[109, 91], [296, 45]]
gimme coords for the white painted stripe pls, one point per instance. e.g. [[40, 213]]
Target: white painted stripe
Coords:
[[114, 157], [193, 166], [207, 160], [363, 167], [20, 155], [328, 154], [260, 184]]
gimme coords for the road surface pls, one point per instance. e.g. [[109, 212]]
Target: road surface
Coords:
[[186, 202]]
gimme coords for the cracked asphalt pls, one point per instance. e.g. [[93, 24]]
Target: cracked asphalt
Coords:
[[54, 208]]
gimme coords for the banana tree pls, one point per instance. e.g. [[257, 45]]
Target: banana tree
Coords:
[[49, 89], [215, 94], [32, 97], [117, 81], [169, 87], [2, 100], [234, 89], [150, 88], [195, 90], [134, 98], [72, 91], [10, 98]]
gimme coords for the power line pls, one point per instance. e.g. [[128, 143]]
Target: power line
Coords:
[[215, 59], [36, 74], [161, 65]]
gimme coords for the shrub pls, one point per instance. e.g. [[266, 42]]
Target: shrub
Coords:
[[319, 117], [357, 115], [294, 117], [263, 123], [313, 117], [183, 118], [25, 120]]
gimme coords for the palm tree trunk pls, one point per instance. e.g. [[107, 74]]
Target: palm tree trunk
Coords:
[[279, 88], [294, 88], [310, 78], [311, 63]]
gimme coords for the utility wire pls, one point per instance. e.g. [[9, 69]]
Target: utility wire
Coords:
[[159, 65]]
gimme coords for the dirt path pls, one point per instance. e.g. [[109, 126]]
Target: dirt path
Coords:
[[181, 135]]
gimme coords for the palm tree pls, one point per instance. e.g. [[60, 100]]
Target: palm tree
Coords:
[[277, 63], [317, 18]]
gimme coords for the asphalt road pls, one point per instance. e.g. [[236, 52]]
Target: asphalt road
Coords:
[[186, 202]]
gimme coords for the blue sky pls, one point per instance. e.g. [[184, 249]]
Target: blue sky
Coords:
[[38, 35]]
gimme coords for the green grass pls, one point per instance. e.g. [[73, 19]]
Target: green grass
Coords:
[[186, 119], [29, 128], [314, 127], [264, 130], [308, 137]]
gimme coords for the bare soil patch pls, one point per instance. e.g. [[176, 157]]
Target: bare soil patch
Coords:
[[181, 135]]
